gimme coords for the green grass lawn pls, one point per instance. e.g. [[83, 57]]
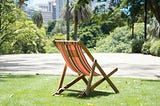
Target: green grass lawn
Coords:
[[36, 90]]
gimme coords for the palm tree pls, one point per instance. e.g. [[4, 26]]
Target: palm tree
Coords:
[[38, 19], [78, 12]]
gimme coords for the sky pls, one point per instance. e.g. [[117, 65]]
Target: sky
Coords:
[[34, 2]]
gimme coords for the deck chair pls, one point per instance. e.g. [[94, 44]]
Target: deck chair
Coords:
[[73, 54]]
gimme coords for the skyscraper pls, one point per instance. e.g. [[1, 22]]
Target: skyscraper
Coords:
[[48, 11], [60, 4]]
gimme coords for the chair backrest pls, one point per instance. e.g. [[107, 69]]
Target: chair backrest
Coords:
[[74, 56]]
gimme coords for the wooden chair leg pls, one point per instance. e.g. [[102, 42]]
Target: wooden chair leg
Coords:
[[61, 79], [87, 91], [85, 80], [69, 85], [107, 78]]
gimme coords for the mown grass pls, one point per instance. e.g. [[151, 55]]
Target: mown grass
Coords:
[[36, 90]]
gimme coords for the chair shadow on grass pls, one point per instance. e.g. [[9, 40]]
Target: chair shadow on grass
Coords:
[[91, 95]]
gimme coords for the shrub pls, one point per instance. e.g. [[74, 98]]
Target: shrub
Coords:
[[26, 38], [146, 47], [118, 41], [107, 27], [59, 36], [155, 48], [89, 35], [121, 40], [137, 45]]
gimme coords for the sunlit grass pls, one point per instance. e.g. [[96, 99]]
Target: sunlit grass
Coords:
[[36, 90]]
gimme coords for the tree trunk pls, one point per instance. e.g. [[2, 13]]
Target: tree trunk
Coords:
[[132, 27], [67, 20], [145, 20], [75, 25]]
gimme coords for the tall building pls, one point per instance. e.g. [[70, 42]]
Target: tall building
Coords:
[[48, 11], [60, 4]]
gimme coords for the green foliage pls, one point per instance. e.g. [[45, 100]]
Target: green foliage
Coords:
[[155, 48], [50, 47], [89, 35], [25, 37], [108, 26], [50, 27], [7, 18], [137, 45], [120, 40], [152, 46], [59, 36], [90, 32], [138, 38], [60, 27], [146, 47], [154, 28], [80, 13], [37, 19]]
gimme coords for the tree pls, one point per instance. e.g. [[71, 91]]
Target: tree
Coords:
[[154, 6], [7, 18], [80, 12], [51, 26], [22, 36], [38, 19], [151, 5], [132, 9], [20, 3]]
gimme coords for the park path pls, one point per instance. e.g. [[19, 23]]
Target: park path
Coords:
[[129, 65]]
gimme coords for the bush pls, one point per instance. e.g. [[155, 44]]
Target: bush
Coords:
[[23, 36], [146, 47], [155, 48], [89, 35], [107, 27], [50, 47], [118, 41], [26, 38], [137, 45], [121, 40], [59, 36]]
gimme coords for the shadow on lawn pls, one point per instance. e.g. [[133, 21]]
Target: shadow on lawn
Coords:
[[158, 76], [93, 94], [152, 80], [3, 76]]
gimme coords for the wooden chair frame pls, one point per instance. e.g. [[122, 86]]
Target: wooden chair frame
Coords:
[[81, 76]]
